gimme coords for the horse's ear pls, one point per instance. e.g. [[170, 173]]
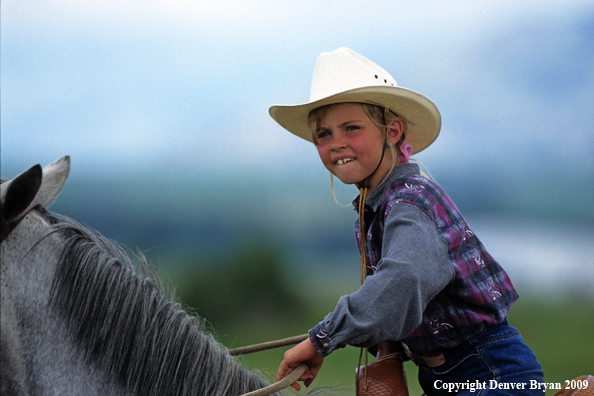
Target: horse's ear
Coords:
[[54, 178], [17, 194]]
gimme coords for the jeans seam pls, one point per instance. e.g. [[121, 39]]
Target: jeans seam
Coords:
[[491, 340], [485, 358], [480, 346]]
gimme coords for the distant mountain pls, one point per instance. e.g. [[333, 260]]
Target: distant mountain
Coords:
[[217, 211]]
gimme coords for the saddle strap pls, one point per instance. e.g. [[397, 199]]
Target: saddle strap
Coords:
[[384, 376]]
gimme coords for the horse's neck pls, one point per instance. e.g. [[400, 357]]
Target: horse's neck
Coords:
[[36, 355], [28, 268]]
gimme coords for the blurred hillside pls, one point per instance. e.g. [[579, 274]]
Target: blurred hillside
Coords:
[[541, 230], [190, 216]]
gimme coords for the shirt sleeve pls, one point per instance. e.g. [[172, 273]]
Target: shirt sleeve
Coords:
[[414, 268]]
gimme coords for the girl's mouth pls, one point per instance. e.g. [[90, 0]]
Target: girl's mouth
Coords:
[[343, 161]]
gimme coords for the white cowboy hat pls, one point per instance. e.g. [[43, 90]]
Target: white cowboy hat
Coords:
[[344, 76]]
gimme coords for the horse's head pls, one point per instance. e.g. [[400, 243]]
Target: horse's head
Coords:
[[78, 319], [32, 187]]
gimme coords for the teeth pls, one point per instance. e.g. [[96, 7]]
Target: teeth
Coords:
[[343, 161]]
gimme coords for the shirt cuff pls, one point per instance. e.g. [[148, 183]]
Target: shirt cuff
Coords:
[[321, 340]]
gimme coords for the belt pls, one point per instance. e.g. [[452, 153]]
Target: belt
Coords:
[[433, 358], [430, 358]]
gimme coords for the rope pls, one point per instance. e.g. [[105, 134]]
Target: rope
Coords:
[[267, 345], [283, 383], [363, 248]]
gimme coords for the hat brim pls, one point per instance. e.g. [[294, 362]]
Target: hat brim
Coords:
[[422, 116]]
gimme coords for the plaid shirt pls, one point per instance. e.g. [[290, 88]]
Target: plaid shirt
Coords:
[[480, 294]]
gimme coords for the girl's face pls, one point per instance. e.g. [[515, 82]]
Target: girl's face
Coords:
[[350, 145]]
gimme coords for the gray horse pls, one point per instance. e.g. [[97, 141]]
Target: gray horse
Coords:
[[78, 319]]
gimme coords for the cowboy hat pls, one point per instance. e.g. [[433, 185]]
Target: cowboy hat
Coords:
[[343, 76]]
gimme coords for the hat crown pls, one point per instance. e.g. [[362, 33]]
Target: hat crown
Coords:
[[342, 70], [343, 76]]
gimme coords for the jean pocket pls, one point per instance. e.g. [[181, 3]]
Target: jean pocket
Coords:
[[472, 361]]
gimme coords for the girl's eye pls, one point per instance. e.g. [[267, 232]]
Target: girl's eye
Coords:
[[322, 134], [352, 128]]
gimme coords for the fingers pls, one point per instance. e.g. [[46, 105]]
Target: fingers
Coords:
[[283, 371], [302, 353], [307, 377]]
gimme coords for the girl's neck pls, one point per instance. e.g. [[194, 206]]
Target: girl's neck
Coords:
[[374, 180]]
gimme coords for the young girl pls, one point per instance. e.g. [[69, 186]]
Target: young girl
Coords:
[[427, 280]]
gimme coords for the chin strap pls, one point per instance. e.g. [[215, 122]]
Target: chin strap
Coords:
[[363, 187], [365, 182], [362, 243], [363, 190], [362, 239]]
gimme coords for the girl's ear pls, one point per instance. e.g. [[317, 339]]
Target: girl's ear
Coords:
[[395, 130]]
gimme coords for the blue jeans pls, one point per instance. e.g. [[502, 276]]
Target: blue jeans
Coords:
[[496, 361]]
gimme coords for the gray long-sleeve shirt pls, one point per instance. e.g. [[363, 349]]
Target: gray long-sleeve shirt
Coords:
[[414, 267]]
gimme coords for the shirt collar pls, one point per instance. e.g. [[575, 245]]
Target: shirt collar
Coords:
[[375, 198]]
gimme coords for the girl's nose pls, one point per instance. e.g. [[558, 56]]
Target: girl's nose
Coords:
[[338, 142]]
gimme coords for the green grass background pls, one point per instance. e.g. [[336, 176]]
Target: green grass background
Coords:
[[247, 304]]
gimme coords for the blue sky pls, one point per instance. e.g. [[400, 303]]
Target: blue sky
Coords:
[[160, 87], [181, 89]]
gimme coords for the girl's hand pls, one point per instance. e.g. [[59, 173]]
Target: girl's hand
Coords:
[[301, 353]]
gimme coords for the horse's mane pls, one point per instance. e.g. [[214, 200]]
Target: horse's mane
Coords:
[[125, 324]]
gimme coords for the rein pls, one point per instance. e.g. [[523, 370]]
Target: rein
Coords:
[[7, 227], [283, 383], [267, 345]]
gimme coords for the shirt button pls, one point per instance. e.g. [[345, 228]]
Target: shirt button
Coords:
[[326, 345]]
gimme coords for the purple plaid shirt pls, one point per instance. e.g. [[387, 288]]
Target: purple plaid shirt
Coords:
[[474, 291], [480, 294]]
